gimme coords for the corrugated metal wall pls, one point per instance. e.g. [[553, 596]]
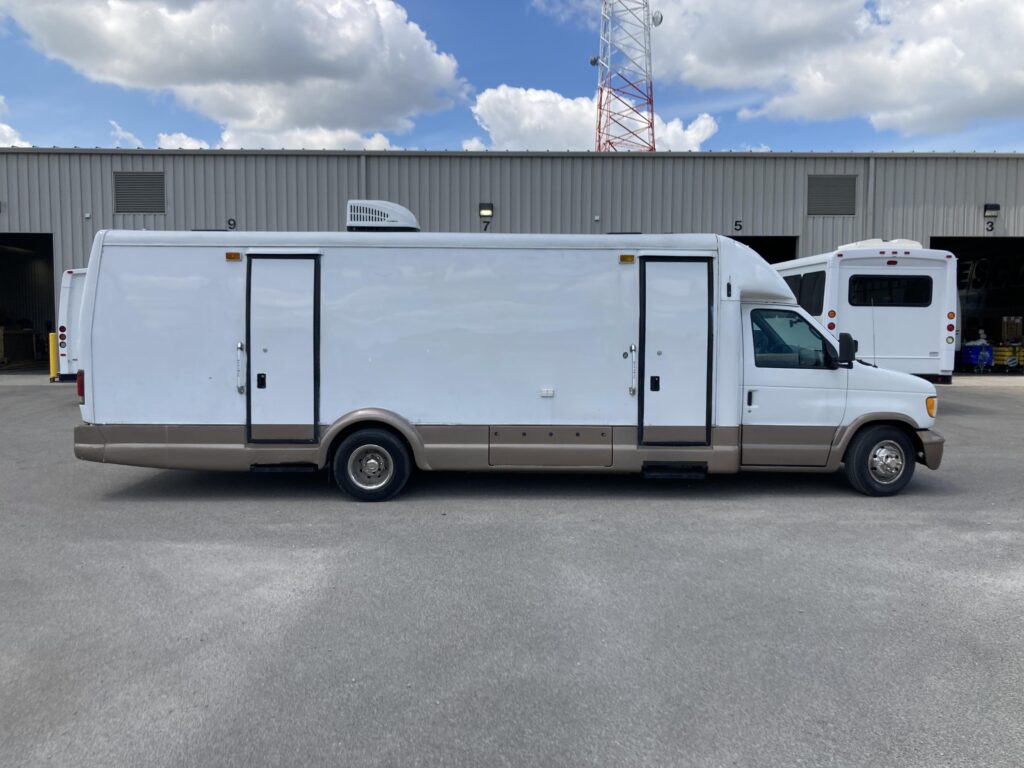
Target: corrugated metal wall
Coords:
[[69, 193]]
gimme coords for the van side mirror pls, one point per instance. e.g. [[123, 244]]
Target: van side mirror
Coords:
[[847, 350]]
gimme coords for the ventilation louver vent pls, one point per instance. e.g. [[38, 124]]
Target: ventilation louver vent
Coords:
[[380, 216], [831, 195], [139, 192]]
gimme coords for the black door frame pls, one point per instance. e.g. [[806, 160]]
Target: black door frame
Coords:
[[642, 382], [315, 426]]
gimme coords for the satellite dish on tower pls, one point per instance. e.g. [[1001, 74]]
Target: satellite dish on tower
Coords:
[[657, 17]]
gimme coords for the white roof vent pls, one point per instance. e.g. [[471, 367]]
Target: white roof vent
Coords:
[[878, 243], [380, 216]]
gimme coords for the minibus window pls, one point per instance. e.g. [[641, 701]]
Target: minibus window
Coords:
[[812, 292], [793, 281], [890, 291], [785, 340]]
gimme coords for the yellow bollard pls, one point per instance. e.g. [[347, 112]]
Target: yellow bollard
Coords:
[[54, 376]]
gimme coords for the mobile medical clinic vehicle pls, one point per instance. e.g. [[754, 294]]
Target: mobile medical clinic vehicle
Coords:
[[72, 285], [376, 352], [897, 299]]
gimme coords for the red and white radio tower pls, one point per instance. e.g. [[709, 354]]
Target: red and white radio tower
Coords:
[[625, 95]]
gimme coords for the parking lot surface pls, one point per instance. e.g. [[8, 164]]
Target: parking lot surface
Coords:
[[167, 618]]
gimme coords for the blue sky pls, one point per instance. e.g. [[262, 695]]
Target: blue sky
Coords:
[[824, 75]]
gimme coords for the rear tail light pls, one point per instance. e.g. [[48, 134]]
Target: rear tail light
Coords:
[[951, 315], [80, 386], [950, 327]]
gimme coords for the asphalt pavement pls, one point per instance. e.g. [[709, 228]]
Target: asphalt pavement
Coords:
[[165, 618]]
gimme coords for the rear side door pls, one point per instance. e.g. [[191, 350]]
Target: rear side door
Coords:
[[794, 397], [283, 343]]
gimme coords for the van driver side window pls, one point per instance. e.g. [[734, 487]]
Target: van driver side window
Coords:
[[783, 339]]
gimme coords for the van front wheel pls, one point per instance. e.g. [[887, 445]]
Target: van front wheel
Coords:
[[371, 465], [880, 461]]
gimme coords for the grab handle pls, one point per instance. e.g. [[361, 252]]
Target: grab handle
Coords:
[[239, 349], [632, 381]]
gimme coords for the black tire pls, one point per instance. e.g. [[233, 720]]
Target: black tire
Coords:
[[371, 465], [880, 461]]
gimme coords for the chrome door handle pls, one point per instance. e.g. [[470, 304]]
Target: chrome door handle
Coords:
[[632, 381], [239, 349]]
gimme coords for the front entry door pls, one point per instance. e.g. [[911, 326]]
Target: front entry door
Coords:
[[794, 397], [675, 350], [283, 348]]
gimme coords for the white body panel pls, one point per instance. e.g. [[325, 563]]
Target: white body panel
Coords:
[[912, 339], [72, 289]]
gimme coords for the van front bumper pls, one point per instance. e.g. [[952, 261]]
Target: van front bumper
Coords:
[[932, 444]]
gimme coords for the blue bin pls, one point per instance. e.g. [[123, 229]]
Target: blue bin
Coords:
[[976, 354]]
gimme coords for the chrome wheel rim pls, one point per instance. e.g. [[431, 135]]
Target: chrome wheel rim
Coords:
[[370, 467], [886, 462]]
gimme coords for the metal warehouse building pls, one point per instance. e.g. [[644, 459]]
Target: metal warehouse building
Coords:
[[53, 201]]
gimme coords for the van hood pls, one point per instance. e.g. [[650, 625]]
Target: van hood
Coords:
[[866, 377]]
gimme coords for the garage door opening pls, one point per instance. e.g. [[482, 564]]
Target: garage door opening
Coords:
[[990, 279], [772, 249], [26, 300]]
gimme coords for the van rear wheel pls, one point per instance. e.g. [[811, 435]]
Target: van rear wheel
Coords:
[[880, 461], [371, 465]]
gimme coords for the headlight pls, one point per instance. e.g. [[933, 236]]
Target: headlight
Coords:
[[931, 404]]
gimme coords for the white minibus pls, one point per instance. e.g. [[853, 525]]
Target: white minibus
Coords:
[[897, 299], [376, 353]]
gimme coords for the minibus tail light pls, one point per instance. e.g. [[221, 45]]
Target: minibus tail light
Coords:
[[931, 404], [950, 327], [951, 315], [80, 385]]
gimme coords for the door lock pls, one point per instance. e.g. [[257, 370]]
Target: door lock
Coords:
[[655, 383], [261, 381]]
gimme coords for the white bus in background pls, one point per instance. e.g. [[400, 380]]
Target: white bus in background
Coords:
[[896, 298], [72, 286], [374, 353]]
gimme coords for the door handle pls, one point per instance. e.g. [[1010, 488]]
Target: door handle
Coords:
[[239, 349], [632, 380], [750, 398], [261, 381], [655, 383]]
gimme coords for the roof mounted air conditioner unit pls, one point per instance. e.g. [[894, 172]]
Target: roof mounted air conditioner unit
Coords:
[[380, 216]]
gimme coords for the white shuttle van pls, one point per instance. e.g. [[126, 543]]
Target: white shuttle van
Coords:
[[72, 286], [376, 353], [898, 299]]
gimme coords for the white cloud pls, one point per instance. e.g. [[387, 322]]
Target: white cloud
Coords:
[[9, 137], [124, 139], [581, 11], [297, 138], [914, 66], [280, 72], [180, 141], [531, 119]]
